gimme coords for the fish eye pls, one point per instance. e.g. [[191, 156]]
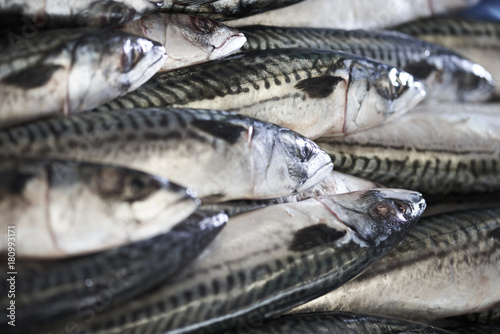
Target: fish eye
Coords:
[[131, 55], [401, 207], [305, 152], [138, 187], [391, 86], [116, 14], [202, 26]]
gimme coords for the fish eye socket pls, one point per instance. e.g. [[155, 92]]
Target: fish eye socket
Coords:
[[202, 26], [130, 57], [117, 14], [138, 187], [401, 207]]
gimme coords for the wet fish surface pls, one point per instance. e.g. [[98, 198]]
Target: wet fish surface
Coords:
[[187, 39], [65, 208], [313, 92], [260, 265], [65, 71], [432, 151], [83, 287], [217, 154], [446, 266], [446, 75], [478, 40]]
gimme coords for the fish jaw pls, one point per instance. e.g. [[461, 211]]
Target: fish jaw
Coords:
[[229, 46]]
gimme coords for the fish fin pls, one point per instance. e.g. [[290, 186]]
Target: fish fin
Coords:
[[228, 132], [32, 77], [318, 87], [314, 236]]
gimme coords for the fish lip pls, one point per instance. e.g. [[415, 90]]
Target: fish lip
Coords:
[[221, 51], [313, 180]]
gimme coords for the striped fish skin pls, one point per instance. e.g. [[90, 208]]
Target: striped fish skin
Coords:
[[64, 208], [65, 71], [187, 39], [476, 329], [223, 9], [446, 266], [445, 152], [85, 286], [446, 75], [215, 153], [314, 92], [322, 243], [478, 40], [340, 323]]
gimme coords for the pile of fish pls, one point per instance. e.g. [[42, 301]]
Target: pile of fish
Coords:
[[280, 172]]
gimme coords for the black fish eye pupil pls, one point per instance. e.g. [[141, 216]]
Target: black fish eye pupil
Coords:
[[137, 185]]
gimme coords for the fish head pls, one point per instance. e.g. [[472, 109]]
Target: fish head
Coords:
[[376, 217], [377, 93], [473, 82], [193, 40]]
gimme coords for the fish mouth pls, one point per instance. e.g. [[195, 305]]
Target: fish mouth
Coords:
[[232, 44], [151, 70], [317, 177]]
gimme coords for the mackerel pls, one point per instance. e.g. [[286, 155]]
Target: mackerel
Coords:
[[63, 208], [219, 155], [431, 151], [187, 39], [269, 260], [478, 40], [83, 287], [314, 92], [446, 75], [446, 266]]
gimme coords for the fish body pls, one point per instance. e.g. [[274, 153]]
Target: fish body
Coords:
[[446, 266], [187, 39], [64, 209], [432, 151], [266, 261], [478, 40], [446, 75], [65, 71], [83, 286], [313, 92], [220, 155], [355, 14]]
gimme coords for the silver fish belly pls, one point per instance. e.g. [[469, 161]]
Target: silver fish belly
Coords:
[[187, 39], [65, 71], [65, 208], [218, 154], [447, 265], [320, 244], [446, 75], [313, 92]]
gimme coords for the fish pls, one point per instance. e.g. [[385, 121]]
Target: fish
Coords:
[[446, 75], [476, 329], [223, 10], [477, 40], [72, 13], [266, 261], [313, 92], [82, 287], [62, 208], [446, 266], [66, 71], [187, 39], [437, 152], [220, 155], [355, 14]]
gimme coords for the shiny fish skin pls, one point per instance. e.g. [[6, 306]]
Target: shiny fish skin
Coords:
[[446, 75], [64, 208], [215, 153], [260, 264], [475, 39], [223, 9], [446, 266], [187, 39], [65, 71], [53, 290], [431, 151], [314, 92]]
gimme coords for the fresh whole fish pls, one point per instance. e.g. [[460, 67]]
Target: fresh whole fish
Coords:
[[446, 266], [436, 152], [218, 154], [65, 71], [62, 209], [83, 287], [446, 75], [314, 92], [187, 39], [261, 264], [223, 9], [477, 40], [353, 14]]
